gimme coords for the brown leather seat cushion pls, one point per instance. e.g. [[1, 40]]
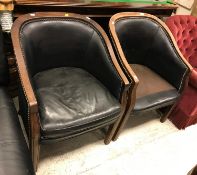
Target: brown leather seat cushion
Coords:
[[153, 91]]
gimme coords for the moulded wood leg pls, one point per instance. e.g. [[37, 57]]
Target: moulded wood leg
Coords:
[[35, 152], [111, 131], [166, 113], [120, 126], [35, 140], [130, 103], [163, 119]]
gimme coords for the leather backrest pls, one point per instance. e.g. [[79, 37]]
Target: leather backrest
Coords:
[[4, 76], [145, 42], [67, 42], [184, 30]]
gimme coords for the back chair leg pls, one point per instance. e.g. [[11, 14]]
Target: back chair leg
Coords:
[[166, 114]]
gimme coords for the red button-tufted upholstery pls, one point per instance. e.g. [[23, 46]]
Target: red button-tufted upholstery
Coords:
[[184, 29]]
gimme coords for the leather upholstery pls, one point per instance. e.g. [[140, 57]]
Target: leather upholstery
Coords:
[[184, 30], [14, 155], [70, 101], [3, 63], [145, 42], [68, 43], [153, 91]]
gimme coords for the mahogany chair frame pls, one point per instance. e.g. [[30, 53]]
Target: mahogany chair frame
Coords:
[[33, 113], [128, 70]]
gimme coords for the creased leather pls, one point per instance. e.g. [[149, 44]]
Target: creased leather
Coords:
[[14, 154], [71, 100]]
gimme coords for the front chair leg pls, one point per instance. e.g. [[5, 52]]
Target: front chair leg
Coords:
[[121, 125], [166, 114], [111, 130], [35, 140]]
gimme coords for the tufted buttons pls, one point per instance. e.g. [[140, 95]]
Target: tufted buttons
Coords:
[[186, 32]]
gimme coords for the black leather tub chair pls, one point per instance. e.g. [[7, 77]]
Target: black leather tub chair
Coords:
[[15, 158], [151, 60], [71, 81]]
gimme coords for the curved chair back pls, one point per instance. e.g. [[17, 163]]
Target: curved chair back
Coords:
[[145, 40], [51, 42]]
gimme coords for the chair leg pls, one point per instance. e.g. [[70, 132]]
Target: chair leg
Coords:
[[121, 125], [167, 113], [35, 152], [130, 103], [35, 140], [111, 130]]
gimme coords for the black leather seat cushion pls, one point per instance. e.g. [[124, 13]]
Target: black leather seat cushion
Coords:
[[72, 101], [153, 91], [14, 155]]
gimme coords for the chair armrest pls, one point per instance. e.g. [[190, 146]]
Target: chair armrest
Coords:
[[132, 77], [116, 65], [176, 51], [23, 73], [105, 66]]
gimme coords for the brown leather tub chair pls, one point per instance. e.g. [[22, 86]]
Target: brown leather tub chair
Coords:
[[71, 81], [15, 158], [152, 61]]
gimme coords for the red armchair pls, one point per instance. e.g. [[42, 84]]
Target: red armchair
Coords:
[[184, 29]]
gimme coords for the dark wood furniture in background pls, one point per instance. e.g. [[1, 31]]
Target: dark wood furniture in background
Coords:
[[94, 8]]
